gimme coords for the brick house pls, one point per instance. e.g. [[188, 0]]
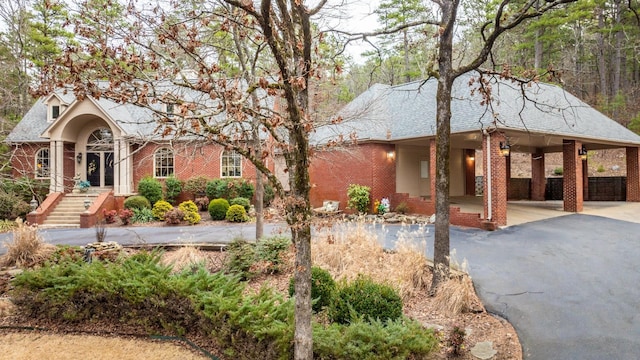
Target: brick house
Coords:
[[112, 146], [395, 128]]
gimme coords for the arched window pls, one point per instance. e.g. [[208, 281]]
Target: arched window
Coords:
[[163, 164], [231, 164], [42, 164]]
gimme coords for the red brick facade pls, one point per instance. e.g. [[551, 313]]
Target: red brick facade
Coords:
[[495, 205], [332, 172], [633, 174], [572, 173], [189, 160]]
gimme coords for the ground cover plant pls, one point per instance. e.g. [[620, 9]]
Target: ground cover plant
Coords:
[[237, 303]]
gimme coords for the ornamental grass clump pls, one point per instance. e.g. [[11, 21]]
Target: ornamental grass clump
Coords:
[[27, 247]]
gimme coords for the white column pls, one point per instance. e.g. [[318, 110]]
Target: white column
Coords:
[[116, 167], [59, 166], [52, 167], [122, 172]]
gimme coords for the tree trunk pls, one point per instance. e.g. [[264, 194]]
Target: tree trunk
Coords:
[[443, 134], [600, 54], [617, 54], [259, 206], [407, 71], [537, 59]]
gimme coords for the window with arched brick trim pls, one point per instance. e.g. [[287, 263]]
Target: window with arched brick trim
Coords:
[[163, 163], [42, 164], [231, 165]]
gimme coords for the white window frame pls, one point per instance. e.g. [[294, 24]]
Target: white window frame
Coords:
[[235, 166], [163, 153], [42, 171]]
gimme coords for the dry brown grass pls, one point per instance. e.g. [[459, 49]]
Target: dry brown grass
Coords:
[[27, 248], [6, 307], [349, 249], [185, 257], [456, 296]]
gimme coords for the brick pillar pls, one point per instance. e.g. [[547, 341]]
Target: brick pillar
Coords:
[[496, 203], [508, 172], [633, 174], [572, 176], [470, 172], [432, 169], [538, 177], [585, 179]]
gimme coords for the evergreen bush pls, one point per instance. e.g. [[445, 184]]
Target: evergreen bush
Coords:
[[236, 213], [359, 198], [150, 188], [323, 288], [244, 202], [240, 257], [12, 206], [269, 249], [216, 189], [137, 202], [269, 195], [365, 299], [173, 188], [160, 209], [190, 210], [218, 209]]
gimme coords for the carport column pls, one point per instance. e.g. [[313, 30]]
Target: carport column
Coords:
[[432, 170], [633, 174], [495, 179], [572, 176], [538, 177]]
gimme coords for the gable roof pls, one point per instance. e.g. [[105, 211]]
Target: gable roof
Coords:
[[408, 111]]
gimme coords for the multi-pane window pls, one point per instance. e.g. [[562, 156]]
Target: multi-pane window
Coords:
[[42, 164], [231, 164], [163, 163]]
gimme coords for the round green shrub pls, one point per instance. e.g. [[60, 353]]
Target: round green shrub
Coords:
[[173, 188], [367, 300], [218, 209], [150, 188], [191, 214], [236, 213], [323, 288], [243, 188], [160, 208], [137, 202], [244, 202]]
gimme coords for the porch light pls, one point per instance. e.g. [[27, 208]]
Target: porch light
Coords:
[[79, 158], [391, 155], [33, 204], [505, 148], [582, 152]]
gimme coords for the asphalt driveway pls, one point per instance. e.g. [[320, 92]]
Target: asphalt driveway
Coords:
[[569, 285]]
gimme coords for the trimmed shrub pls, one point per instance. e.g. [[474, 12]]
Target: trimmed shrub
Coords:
[[229, 189], [143, 215], [359, 197], [240, 257], [236, 213], [173, 188], [137, 202], [202, 203], [197, 186], [244, 202], [151, 189], [174, 216], [160, 208], [12, 206], [323, 288], [367, 300], [218, 209], [190, 210]]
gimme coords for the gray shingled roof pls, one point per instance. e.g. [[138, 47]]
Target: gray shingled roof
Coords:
[[133, 120], [407, 111]]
